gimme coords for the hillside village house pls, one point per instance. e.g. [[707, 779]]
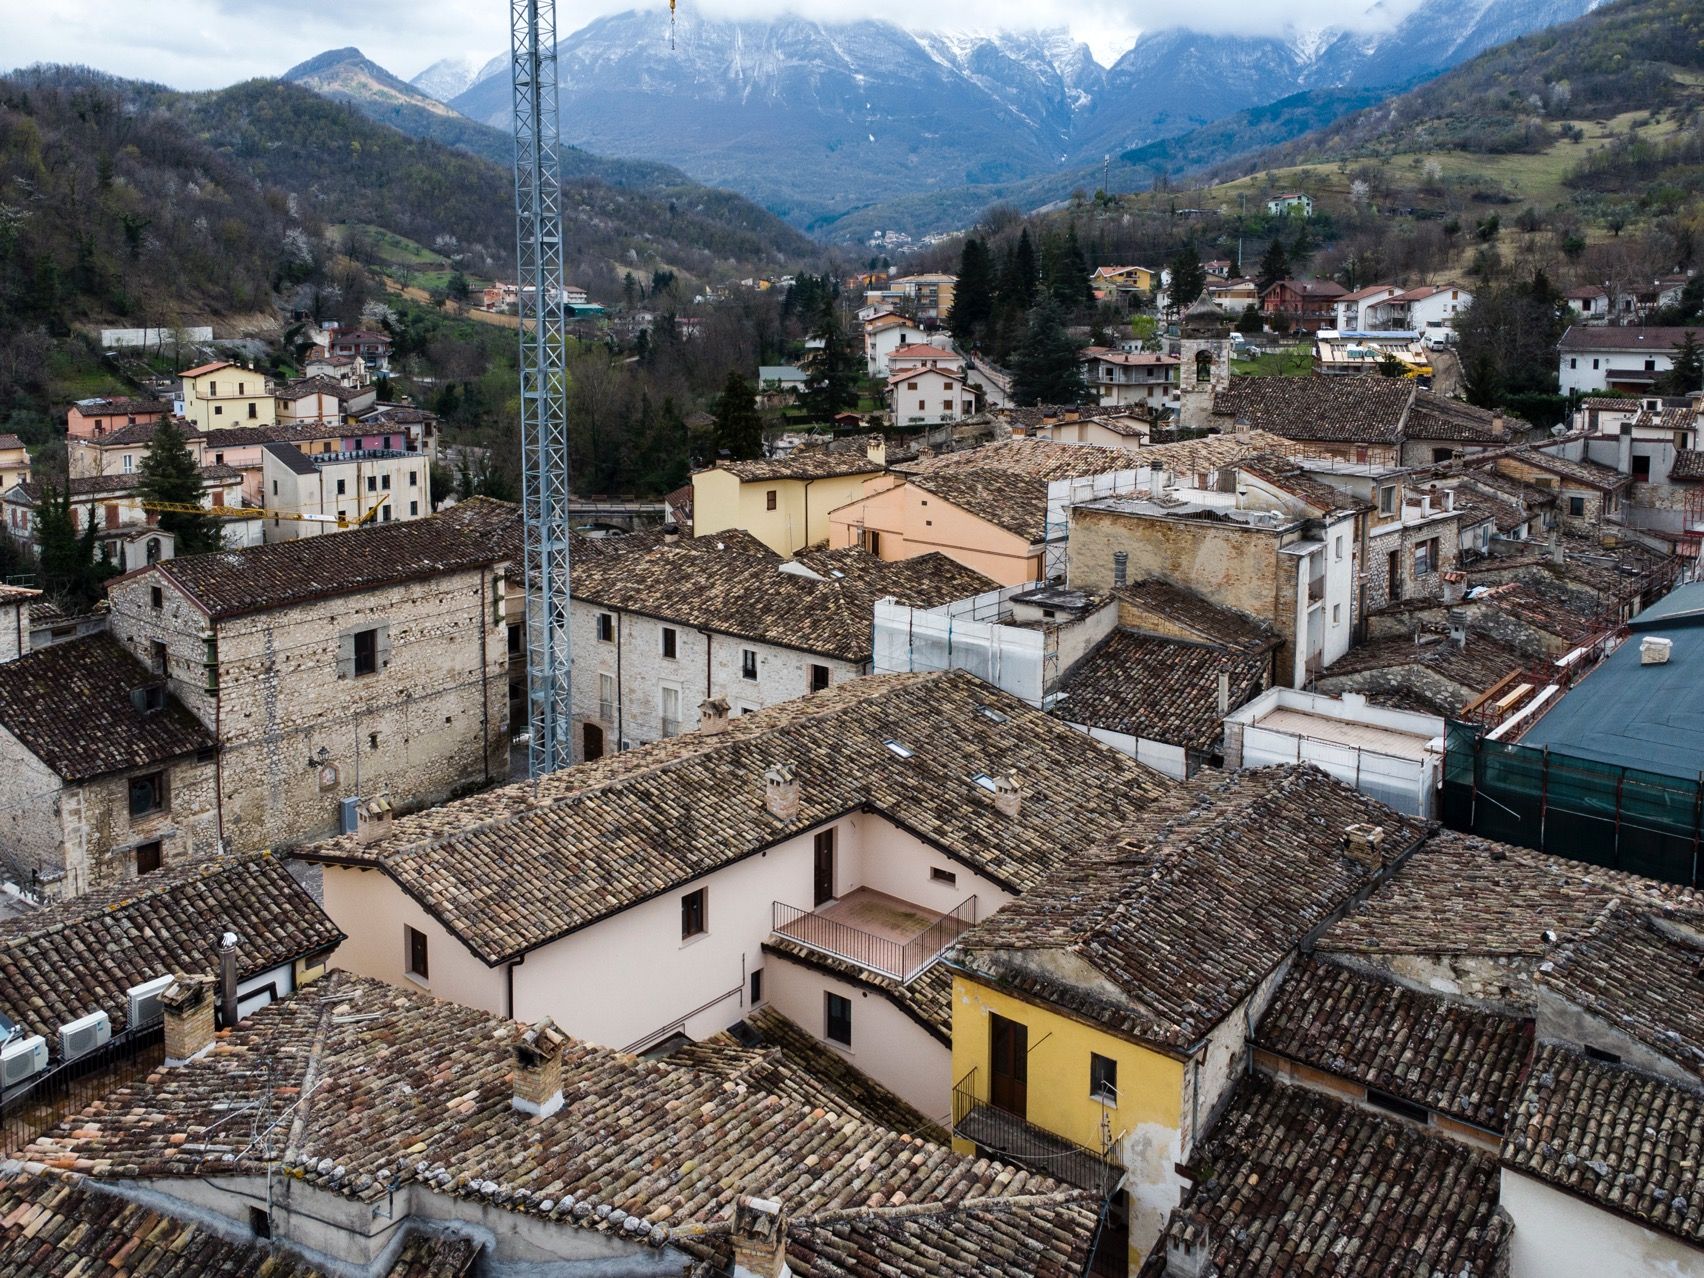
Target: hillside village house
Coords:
[[114, 504], [345, 370], [782, 501], [1652, 440], [366, 667], [1305, 305], [1613, 358], [92, 418], [1290, 203], [930, 295], [1427, 310], [1123, 284], [322, 399], [372, 348], [1353, 310], [928, 396], [1119, 379], [1118, 1029], [112, 776], [723, 622], [344, 485], [225, 394], [1233, 296], [14, 461], [886, 332], [815, 856], [1003, 508]]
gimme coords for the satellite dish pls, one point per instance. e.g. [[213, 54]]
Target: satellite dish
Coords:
[[1558, 430]]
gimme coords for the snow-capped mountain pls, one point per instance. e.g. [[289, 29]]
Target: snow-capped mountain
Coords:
[[814, 118], [448, 77]]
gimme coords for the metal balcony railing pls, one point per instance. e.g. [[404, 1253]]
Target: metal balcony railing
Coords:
[[1012, 1138], [902, 960]]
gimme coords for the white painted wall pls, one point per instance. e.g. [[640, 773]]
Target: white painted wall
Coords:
[[1559, 1236]]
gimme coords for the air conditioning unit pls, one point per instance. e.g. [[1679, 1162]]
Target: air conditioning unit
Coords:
[[348, 814], [145, 1001], [21, 1058], [84, 1035]]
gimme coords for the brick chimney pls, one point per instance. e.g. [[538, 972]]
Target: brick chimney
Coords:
[[875, 449], [781, 792], [372, 819], [187, 1005], [1361, 843], [1008, 795], [1120, 569], [760, 1239], [538, 1069], [712, 715], [1498, 426]]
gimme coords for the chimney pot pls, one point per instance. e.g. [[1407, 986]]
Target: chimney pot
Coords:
[[1497, 424], [712, 715], [760, 1238], [1120, 568], [373, 820], [1008, 794], [1361, 843], [781, 792], [538, 1069], [1457, 620], [187, 1005], [1224, 692], [1190, 1256]]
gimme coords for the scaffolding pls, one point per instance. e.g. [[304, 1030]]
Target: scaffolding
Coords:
[[544, 382]]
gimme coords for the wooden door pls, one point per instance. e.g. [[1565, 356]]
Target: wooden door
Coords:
[[1008, 1064], [822, 870]]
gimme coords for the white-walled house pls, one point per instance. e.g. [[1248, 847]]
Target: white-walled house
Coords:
[[723, 617], [928, 396], [888, 332], [1595, 358], [818, 855], [1353, 308]]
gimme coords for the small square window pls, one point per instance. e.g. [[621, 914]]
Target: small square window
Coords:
[[668, 643], [818, 677], [366, 652], [516, 644], [769, 500], [606, 628], [148, 857], [156, 598], [1577, 506], [147, 793], [372, 483], [837, 1019], [414, 952], [342, 486], [692, 916], [413, 479], [748, 663], [757, 987], [1103, 1078], [938, 875]]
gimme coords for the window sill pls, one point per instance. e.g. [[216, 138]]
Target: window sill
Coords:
[[423, 982], [688, 941]]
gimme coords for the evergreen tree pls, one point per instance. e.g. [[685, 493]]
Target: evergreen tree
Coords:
[[1687, 373], [169, 475], [834, 369], [1303, 248], [1044, 367], [69, 568], [1250, 321], [739, 426], [1187, 279], [1078, 292], [1274, 266], [1021, 278], [973, 298]]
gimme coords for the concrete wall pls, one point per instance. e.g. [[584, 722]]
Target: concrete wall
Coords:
[[402, 481], [297, 737], [911, 522], [14, 630], [800, 518], [1557, 1234]]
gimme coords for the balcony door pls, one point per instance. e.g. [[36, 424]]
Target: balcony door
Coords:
[[1008, 1065], [822, 869]]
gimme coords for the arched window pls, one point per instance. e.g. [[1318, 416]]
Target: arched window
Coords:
[[1203, 367]]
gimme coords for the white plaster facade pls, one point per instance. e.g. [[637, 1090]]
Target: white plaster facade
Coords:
[[1557, 1235]]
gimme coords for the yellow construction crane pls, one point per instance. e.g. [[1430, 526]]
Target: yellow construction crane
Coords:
[[258, 512]]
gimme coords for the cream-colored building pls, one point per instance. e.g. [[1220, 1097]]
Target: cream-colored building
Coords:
[[782, 501], [14, 461], [340, 485], [366, 666], [225, 394], [815, 856], [109, 775]]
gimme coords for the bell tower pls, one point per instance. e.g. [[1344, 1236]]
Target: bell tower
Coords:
[[1204, 350]]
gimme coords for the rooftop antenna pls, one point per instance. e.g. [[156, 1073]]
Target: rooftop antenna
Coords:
[[544, 381], [671, 24]]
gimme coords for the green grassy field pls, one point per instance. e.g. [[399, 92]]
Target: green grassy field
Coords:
[[1295, 361]]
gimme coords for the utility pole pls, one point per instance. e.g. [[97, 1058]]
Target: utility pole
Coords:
[[544, 382], [1106, 176]]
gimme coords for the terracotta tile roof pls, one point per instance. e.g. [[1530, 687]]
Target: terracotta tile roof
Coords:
[[1622, 1140], [1435, 417], [1588, 474], [1636, 970], [1014, 503], [1287, 477], [1437, 1052], [80, 956], [302, 387], [805, 463], [1208, 621], [69, 704], [17, 594], [1187, 910], [1473, 668], [507, 873], [1362, 410], [234, 583], [102, 406], [141, 433], [1161, 689], [768, 1052], [1688, 465], [926, 999], [733, 585], [249, 436], [1460, 894], [642, 1152], [1477, 503], [922, 350], [1299, 1183], [497, 525], [1584, 337], [63, 1225], [214, 367]]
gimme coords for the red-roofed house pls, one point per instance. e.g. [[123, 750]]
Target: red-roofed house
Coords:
[[1309, 305]]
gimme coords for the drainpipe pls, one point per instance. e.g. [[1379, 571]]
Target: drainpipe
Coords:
[[484, 680], [709, 649], [620, 696], [218, 752]]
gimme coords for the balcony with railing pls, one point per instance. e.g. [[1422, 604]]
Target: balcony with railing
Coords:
[[875, 930], [1000, 1134]]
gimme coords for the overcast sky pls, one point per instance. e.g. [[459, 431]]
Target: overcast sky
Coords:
[[198, 44]]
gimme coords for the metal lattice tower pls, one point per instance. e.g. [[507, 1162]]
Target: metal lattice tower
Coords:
[[544, 382]]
